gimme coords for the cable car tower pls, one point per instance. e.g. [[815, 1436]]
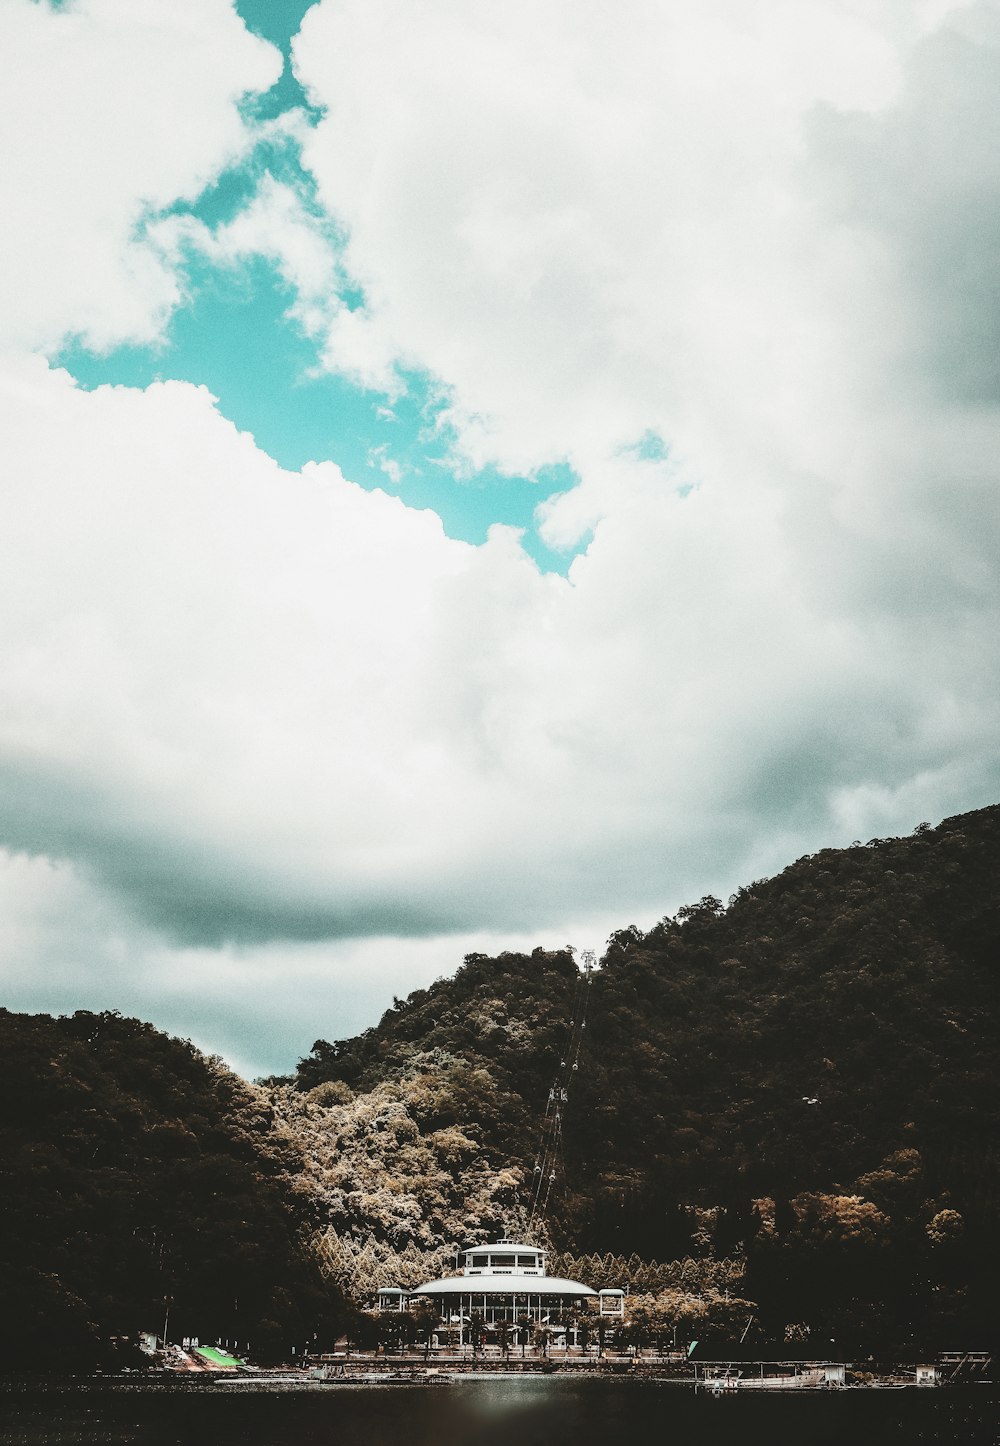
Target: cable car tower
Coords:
[[549, 1164]]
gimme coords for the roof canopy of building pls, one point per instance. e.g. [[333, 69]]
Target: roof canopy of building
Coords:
[[503, 1285], [504, 1268]]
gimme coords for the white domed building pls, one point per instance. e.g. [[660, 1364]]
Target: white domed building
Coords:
[[506, 1282]]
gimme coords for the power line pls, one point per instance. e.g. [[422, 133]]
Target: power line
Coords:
[[549, 1157]]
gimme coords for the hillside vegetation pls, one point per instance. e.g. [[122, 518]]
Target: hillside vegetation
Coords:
[[138, 1177], [805, 1078], [783, 1125]]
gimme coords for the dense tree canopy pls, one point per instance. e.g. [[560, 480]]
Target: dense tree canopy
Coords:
[[783, 1125], [806, 1076], [137, 1176]]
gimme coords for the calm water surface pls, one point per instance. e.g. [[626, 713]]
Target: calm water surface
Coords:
[[512, 1410]]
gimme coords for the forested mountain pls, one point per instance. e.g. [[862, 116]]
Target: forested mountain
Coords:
[[784, 1119], [807, 1076], [137, 1177]]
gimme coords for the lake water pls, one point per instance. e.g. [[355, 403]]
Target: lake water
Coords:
[[512, 1411]]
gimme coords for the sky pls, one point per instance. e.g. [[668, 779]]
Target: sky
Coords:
[[477, 476]]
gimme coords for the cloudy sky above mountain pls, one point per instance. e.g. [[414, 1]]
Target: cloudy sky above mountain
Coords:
[[475, 476]]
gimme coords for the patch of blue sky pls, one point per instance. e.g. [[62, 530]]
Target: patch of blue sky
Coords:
[[274, 20], [277, 21], [650, 447], [276, 153], [234, 337]]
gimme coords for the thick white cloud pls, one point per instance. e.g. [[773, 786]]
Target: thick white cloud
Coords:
[[249, 707], [589, 222], [256, 704], [109, 113], [761, 233]]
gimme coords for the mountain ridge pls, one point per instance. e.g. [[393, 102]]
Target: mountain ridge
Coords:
[[787, 1100], [811, 1066]]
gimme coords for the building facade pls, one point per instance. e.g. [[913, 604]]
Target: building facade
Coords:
[[505, 1282]]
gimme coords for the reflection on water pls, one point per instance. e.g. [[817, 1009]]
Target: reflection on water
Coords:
[[512, 1410]]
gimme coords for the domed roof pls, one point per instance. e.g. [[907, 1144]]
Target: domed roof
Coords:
[[503, 1285]]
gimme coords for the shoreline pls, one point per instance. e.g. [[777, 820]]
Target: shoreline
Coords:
[[713, 1379]]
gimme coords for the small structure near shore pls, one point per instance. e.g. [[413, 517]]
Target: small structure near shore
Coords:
[[800, 1376]]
